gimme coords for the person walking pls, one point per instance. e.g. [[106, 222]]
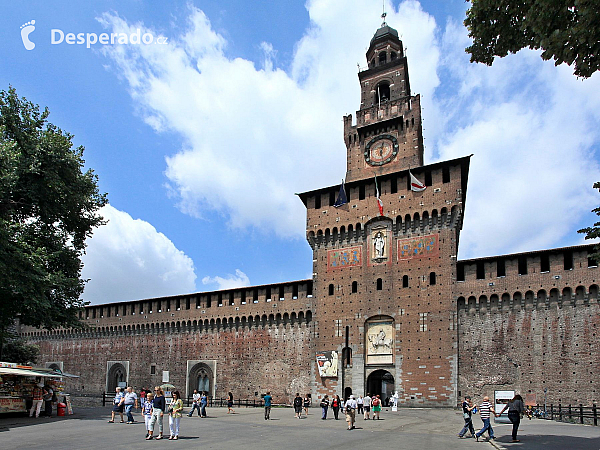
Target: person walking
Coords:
[[130, 401], [158, 411], [203, 403], [486, 409], [350, 409], [360, 404], [147, 411], [367, 406], [467, 407], [376, 402], [230, 409], [335, 406], [298, 406], [195, 403], [117, 405], [306, 404], [175, 409], [38, 399], [324, 407], [516, 408], [267, 398]]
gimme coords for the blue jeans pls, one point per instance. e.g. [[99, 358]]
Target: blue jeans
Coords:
[[203, 410], [194, 407], [486, 426], [128, 409], [324, 412], [468, 427]]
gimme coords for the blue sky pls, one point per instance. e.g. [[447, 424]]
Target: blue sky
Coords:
[[202, 142]]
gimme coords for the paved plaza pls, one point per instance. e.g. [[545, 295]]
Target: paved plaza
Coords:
[[406, 429]]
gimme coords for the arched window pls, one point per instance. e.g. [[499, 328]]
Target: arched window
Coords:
[[382, 58], [382, 93], [432, 279], [379, 284], [331, 289], [405, 281], [354, 287]]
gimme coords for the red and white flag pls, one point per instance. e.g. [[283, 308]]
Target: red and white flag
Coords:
[[379, 202], [416, 185]]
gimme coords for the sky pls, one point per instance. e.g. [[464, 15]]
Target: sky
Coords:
[[202, 133]]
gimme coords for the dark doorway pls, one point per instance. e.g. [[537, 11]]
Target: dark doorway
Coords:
[[381, 383], [116, 377], [347, 393], [201, 378]]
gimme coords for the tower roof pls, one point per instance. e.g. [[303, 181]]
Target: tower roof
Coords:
[[383, 32]]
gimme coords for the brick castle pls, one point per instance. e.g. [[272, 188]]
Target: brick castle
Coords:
[[389, 307]]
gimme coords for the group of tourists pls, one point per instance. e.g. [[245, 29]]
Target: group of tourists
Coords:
[[351, 407], [516, 408]]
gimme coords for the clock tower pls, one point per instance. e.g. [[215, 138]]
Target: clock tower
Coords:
[[388, 134]]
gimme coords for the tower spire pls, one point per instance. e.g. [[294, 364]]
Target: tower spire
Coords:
[[384, 15]]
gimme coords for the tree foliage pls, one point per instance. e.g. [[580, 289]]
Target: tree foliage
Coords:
[[566, 30], [593, 232], [48, 207], [17, 350]]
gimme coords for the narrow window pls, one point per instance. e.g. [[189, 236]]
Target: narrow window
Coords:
[[591, 260], [197, 302], [94, 313], [318, 201], [361, 192], [178, 304], [255, 296], [331, 289], [124, 310], [281, 293], [152, 369], [294, 291], [332, 195], [231, 301], [309, 290], [500, 268], [522, 265], [568, 255], [432, 279], [187, 303], [405, 281], [394, 186], [354, 287], [208, 301], [102, 311], [445, 174], [428, 181], [480, 270], [219, 300], [460, 272], [423, 321], [545, 262], [132, 309], [169, 305], [108, 311], [243, 297], [269, 293], [379, 284]]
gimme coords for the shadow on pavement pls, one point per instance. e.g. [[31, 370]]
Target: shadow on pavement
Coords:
[[550, 441]]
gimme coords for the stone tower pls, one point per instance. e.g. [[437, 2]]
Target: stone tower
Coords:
[[384, 309]]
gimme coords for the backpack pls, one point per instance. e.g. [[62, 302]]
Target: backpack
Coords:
[[375, 401], [298, 401]]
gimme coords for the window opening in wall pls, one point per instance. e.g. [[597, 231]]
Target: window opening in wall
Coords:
[[197, 302], [522, 265], [208, 300], [361, 192], [460, 272], [133, 309], [394, 185], [379, 284], [423, 321], [124, 310], [102, 311], [168, 305], [219, 299], [255, 296], [231, 301], [243, 297], [405, 281], [544, 262], [354, 287], [331, 289], [108, 311], [187, 303], [318, 201], [178, 304], [294, 291], [500, 268], [309, 290], [281, 293], [445, 174], [428, 181], [480, 270], [432, 278], [152, 369], [568, 256], [338, 328], [591, 261], [94, 313], [331, 198], [269, 293]]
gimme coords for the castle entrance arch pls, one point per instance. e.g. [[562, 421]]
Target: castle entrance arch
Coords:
[[201, 376], [117, 374], [381, 382]]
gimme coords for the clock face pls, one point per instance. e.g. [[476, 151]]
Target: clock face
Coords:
[[381, 150]]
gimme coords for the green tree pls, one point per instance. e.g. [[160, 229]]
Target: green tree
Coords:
[[566, 30], [593, 232], [17, 350], [48, 207]]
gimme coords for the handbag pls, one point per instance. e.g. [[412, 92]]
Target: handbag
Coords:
[[466, 416]]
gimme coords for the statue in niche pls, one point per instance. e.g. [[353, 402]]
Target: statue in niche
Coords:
[[379, 245]]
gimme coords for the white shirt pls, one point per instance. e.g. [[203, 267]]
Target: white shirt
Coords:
[[367, 401], [351, 403], [359, 401], [196, 397]]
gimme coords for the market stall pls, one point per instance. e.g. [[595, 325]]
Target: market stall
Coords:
[[18, 381]]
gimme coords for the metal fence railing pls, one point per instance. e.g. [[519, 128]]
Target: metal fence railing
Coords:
[[568, 413]]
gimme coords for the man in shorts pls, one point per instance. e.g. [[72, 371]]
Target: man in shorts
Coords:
[[267, 398], [367, 406], [117, 405]]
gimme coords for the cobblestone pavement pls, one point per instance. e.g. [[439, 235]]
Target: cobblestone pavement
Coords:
[[406, 429]]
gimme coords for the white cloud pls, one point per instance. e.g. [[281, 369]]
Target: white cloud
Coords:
[[253, 136], [128, 259], [240, 279]]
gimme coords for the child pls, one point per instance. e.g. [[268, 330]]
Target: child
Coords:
[[147, 411]]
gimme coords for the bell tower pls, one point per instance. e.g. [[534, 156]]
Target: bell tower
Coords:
[[387, 136]]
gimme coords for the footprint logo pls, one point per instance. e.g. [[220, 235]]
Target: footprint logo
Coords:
[[26, 30]]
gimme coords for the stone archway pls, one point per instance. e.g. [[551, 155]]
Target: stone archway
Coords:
[[201, 377], [116, 376], [380, 382]]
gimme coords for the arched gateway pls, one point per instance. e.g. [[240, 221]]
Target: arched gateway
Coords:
[[380, 382]]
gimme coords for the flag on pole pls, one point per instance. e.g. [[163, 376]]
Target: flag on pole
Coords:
[[416, 185], [379, 202], [342, 199]]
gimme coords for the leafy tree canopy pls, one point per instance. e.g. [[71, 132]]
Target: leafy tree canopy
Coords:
[[566, 30], [17, 350], [48, 207], [593, 232]]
